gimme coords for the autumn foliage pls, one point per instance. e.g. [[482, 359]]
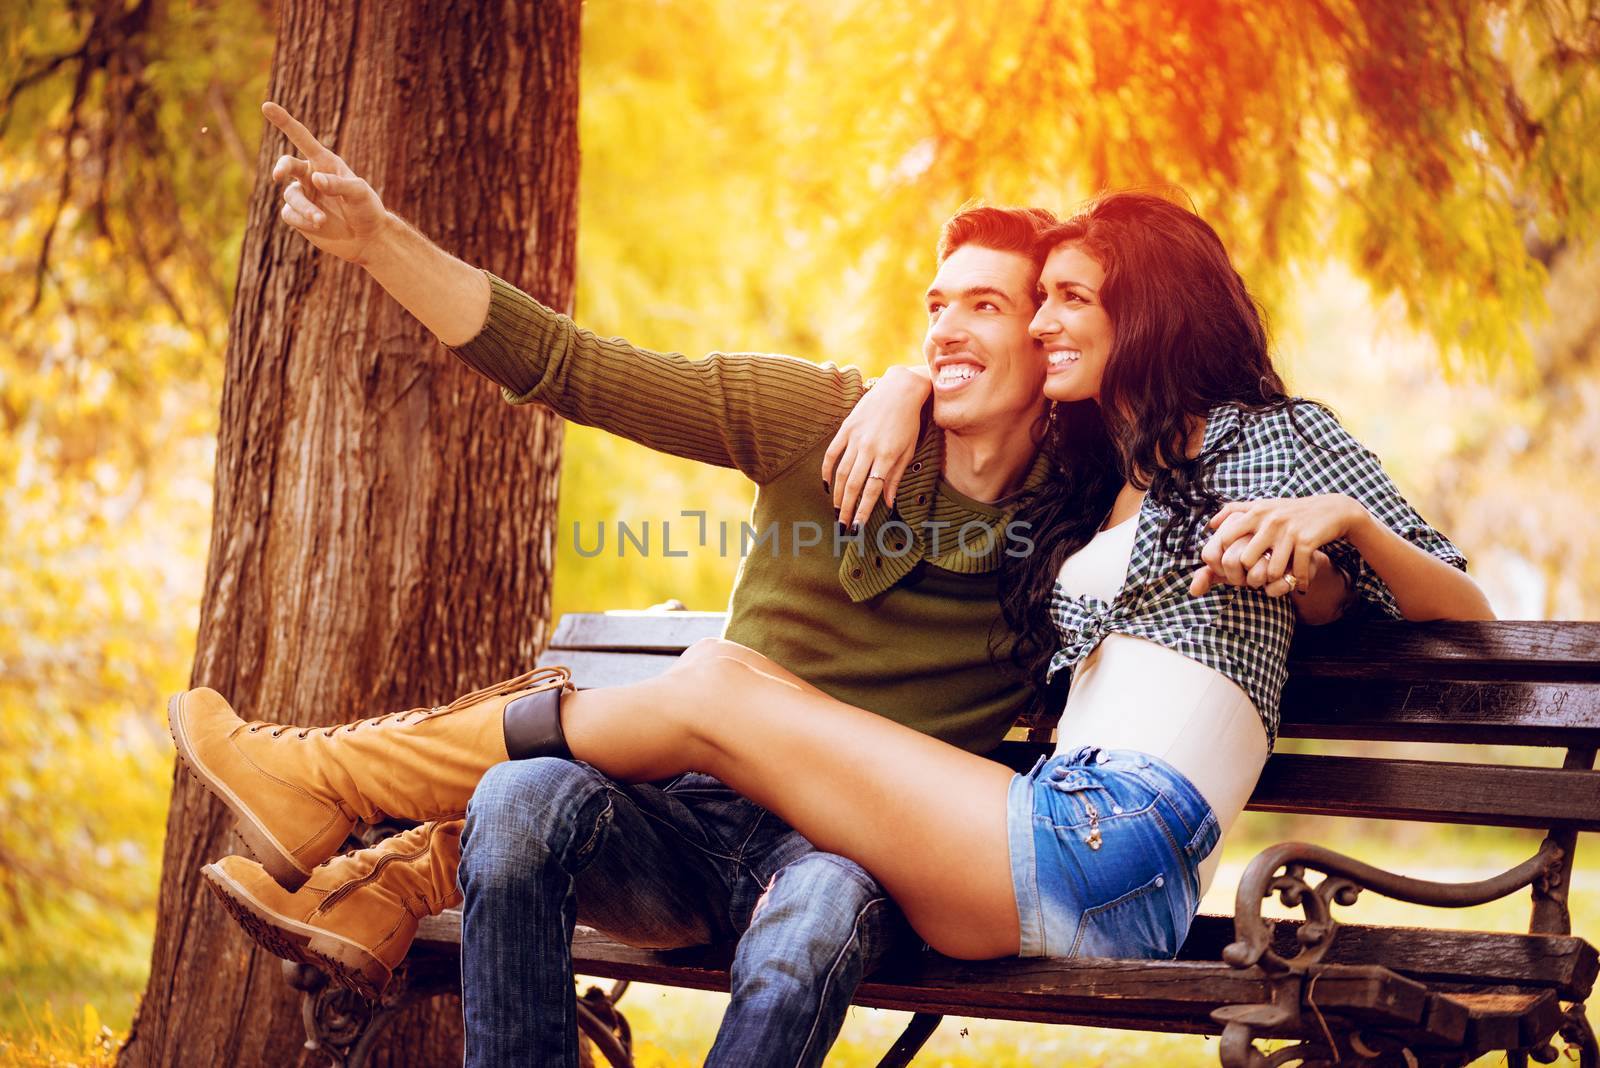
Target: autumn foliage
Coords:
[[1411, 187]]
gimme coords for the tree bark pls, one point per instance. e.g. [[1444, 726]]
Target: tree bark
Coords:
[[384, 523]]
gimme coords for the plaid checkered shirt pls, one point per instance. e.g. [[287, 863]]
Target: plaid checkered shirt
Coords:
[[1299, 451]]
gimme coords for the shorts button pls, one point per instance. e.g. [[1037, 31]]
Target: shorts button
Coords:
[[1116, 810], [1160, 881]]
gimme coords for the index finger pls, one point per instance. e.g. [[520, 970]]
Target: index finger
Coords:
[[1225, 511], [294, 130]]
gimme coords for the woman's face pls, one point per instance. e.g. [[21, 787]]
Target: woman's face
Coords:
[[1071, 325]]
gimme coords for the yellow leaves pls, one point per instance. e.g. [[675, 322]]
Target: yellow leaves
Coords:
[[107, 425]]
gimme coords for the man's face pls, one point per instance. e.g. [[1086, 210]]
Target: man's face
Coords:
[[988, 373]]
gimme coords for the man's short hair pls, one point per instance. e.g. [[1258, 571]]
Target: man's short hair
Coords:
[[1002, 229]]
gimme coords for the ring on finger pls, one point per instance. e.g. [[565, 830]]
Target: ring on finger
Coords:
[[1291, 581]]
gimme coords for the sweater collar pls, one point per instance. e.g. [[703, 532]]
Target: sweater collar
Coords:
[[893, 542]]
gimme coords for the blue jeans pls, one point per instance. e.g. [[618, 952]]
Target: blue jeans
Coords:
[[550, 843], [1105, 849]]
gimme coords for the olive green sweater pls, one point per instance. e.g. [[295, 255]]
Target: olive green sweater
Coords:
[[897, 620]]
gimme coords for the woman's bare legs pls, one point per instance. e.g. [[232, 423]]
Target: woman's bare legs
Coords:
[[928, 820]]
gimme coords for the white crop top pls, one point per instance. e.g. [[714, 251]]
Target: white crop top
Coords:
[[1131, 693]]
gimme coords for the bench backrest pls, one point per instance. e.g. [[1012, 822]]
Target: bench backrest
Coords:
[[1534, 684], [1531, 684]]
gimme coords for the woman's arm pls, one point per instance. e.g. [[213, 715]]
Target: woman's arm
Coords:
[[877, 439], [1424, 586]]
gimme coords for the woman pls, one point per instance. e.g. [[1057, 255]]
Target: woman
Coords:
[[1169, 610]]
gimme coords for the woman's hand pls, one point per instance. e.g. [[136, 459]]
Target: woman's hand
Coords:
[[325, 202], [875, 443], [1274, 545]]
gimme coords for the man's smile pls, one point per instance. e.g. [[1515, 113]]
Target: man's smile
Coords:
[[953, 372]]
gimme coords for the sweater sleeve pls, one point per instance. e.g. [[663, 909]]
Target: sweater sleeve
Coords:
[[751, 411]]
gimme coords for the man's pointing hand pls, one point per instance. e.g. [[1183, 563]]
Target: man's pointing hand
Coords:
[[325, 202]]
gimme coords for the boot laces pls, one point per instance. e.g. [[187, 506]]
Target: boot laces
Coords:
[[522, 681]]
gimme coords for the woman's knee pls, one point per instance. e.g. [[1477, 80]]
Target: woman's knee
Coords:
[[712, 669], [714, 653]]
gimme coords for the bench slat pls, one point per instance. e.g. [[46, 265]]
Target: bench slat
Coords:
[[1565, 715], [1563, 963], [1030, 989], [1487, 795], [590, 669], [639, 632], [1523, 650], [1430, 791]]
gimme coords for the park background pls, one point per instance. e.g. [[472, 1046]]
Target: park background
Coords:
[[1410, 188]]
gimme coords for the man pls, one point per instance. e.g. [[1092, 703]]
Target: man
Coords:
[[896, 617]]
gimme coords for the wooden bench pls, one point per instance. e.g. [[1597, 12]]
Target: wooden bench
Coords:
[[1353, 993]]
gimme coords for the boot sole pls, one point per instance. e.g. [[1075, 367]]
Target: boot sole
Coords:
[[347, 963], [272, 854]]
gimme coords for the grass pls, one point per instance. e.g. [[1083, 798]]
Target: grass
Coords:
[[71, 1012], [44, 1040]]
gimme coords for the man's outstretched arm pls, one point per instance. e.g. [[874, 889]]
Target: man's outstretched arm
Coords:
[[751, 411]]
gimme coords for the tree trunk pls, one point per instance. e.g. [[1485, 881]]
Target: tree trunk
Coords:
[[384, 523]]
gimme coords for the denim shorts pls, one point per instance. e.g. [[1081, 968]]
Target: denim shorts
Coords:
[[1106, 847]]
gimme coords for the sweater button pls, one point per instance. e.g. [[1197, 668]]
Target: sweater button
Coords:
[[922, 498], [916, 466], [855, 572]]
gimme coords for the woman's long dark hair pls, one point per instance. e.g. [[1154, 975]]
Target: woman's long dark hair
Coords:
[[1186, 337]]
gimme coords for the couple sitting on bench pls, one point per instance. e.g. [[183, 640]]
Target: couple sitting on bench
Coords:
[[1153, 515]]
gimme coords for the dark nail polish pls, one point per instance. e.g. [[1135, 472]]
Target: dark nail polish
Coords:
[[855, 529]]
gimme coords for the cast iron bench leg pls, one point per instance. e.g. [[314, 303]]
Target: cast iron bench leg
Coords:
[[340, 1022], [912, 1039]]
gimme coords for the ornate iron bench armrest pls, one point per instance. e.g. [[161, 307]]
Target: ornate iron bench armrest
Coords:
[[1281, 870]]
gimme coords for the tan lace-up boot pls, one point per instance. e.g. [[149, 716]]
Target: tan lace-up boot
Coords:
[[356, 916], [297, 791]]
